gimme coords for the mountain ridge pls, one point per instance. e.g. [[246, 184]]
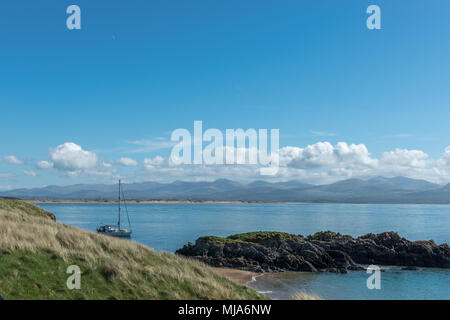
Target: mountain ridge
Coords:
[[354, 190]]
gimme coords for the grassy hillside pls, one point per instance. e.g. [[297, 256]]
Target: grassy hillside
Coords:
[[35, 252]]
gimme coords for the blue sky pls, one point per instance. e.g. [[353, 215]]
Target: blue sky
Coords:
[[137, 70]]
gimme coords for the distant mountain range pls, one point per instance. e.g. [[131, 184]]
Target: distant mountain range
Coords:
[[375, 190]]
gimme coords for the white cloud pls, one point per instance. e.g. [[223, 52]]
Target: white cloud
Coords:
[[30, 173], [107, 165], [154, 162], [325, 155], [127, 162], [167, 173], [444, 161], [355, 154], [71, 157], [405, 158], [318, 163], [13, 159], [44, 165]]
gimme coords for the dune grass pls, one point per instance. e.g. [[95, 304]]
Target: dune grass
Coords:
[[35, 252]]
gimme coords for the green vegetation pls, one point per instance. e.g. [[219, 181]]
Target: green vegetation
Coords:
[[35, 252], [264, 236], [220, 240], [260, 236], [252, 237]]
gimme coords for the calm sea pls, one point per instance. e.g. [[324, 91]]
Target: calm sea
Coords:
[[169, 226]]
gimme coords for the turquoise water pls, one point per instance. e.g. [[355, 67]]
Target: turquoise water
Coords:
[[169, 226], [395, 284]]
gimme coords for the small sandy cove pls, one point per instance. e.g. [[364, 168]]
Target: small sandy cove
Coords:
[[235, 275]]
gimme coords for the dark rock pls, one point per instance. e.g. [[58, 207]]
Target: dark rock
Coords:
[[323, 251]]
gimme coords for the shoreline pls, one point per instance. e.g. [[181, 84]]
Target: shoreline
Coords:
[[80, 201], [150, 201], [238, 276]]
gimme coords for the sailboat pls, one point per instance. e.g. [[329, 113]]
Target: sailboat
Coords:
[[116, 230]]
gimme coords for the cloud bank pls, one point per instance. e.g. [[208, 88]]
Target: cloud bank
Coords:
[[318, 163]]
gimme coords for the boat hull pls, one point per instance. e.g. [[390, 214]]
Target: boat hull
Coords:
[[117, 234]]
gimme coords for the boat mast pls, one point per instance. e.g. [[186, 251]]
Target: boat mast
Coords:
[[119, 205]]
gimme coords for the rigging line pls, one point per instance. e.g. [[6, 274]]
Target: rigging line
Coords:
[[126, 209]]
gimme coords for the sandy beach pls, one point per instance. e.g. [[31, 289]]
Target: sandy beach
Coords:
[[238, 276]]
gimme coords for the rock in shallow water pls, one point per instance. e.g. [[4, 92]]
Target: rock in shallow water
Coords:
[[323, 251]]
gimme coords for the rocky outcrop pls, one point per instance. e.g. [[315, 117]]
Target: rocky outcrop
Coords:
[[323, 251]]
